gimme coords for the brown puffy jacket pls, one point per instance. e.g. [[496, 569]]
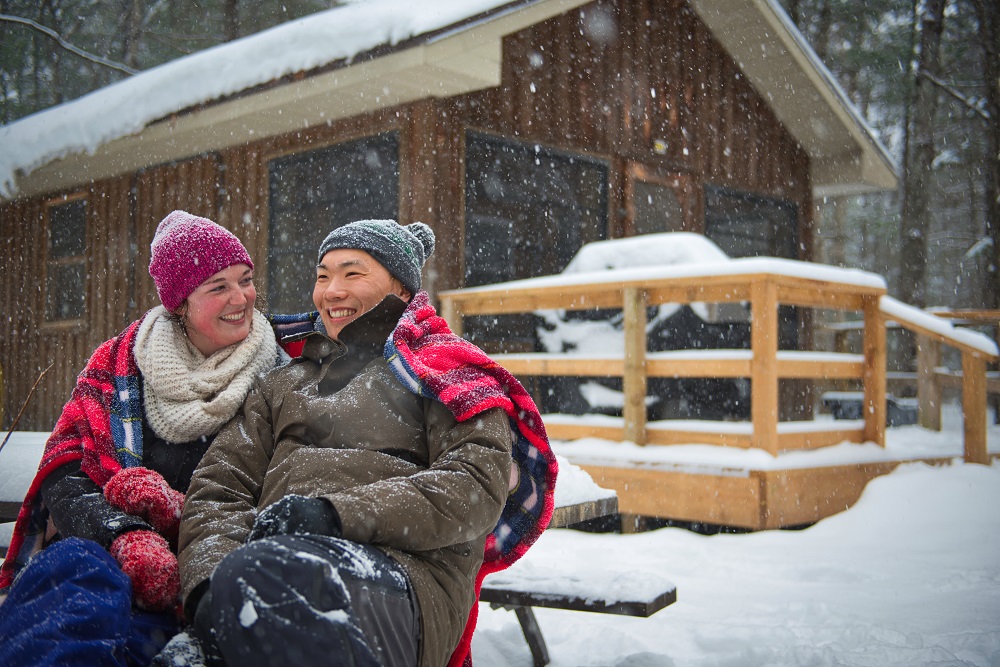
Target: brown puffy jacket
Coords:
[[402, 473]]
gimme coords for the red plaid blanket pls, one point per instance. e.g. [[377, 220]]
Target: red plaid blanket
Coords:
[[432, 361], [101, 426]]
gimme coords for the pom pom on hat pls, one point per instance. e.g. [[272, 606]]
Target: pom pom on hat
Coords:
[[401, 249], [186, 251]]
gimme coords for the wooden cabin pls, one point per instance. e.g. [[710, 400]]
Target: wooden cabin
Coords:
[[518, 134]]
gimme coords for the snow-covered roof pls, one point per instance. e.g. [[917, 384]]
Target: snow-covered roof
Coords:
[[348, 34], [360, 57]]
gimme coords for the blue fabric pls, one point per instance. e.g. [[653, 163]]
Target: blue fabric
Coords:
[[72, 606], [126, 417]]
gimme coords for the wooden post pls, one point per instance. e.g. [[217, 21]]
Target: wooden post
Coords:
[[974, 407], [634, 379], [874, 373], [764, 367], [928, 388], [452, 315]]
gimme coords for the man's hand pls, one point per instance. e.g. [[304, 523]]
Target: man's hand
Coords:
[[147, 560], [297, 515]]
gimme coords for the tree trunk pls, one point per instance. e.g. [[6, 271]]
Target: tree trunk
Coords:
[[919, 158], [793, 13], [132, 32], [232, 20], [821, 43], [989, 31]]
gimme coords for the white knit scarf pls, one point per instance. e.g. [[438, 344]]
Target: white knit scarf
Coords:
[[186, 394]]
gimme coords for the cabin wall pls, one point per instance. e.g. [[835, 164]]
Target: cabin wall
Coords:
[[649, 91], [659, 93]]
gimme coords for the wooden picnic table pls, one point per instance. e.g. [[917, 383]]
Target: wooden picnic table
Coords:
[[520, 589], [596, 508]]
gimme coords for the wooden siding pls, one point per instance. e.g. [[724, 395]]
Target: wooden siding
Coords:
[[194, 186], [590, 93], [663, 77], [30, 344]]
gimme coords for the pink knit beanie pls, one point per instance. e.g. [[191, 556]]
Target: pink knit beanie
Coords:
[[186, 251]]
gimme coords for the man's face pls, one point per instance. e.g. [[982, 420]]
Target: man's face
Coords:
[[349, 283]]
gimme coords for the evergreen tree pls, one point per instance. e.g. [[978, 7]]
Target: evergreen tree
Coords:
[[36, 72]]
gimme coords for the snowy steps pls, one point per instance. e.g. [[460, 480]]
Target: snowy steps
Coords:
[[527, 584]]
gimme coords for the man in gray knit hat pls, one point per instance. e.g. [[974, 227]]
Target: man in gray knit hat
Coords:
[[342, 518], [363, 262]]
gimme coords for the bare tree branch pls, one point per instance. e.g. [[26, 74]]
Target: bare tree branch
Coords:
[[968, 102], [52, 34]]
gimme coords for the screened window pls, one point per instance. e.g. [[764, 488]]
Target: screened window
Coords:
[[66, 264], [315, 192], [746, 225], [528, 210]]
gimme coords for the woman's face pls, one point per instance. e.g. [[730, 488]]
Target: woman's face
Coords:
[[219, 312]]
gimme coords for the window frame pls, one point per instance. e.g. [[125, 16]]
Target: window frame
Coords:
[[685, 189], [538, 148], [522, 337], [48, 262]]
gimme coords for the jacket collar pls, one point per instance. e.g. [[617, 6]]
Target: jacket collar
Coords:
[[364, 337]]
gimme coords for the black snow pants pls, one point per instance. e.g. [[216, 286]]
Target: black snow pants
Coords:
[[310, 600]]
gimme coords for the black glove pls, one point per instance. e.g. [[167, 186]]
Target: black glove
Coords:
[[297, 515]]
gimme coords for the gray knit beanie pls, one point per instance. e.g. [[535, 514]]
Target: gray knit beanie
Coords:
[[401, 249]]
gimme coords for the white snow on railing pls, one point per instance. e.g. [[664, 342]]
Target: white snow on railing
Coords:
[[898, 310], [733, 267]]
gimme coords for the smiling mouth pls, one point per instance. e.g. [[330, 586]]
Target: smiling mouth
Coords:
[[336, 314], [235, 317]]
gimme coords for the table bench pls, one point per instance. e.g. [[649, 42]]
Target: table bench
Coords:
[[527, 584]]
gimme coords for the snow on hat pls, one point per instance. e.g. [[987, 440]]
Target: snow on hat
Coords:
[[401, 249], [188, 250]]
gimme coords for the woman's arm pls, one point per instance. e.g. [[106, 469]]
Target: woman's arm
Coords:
[[77, 507]]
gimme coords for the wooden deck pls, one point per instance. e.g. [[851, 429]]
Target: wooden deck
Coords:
[[748, 497], [756, 499]]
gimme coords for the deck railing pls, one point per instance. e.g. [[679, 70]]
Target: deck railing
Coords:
[[930, 377], [763, 284]]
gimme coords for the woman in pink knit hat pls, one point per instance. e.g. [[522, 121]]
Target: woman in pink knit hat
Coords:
[[90, 577]]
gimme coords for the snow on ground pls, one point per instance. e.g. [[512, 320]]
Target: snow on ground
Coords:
[[909, 576]]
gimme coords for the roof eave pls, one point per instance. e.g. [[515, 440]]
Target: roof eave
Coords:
[[454, 62], [845, 156]]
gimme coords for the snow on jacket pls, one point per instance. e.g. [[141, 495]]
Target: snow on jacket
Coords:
[[402, 472]]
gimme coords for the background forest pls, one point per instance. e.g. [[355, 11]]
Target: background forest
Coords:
[[925, 75]]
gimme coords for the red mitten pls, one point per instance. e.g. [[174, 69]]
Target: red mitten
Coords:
[[144, 493], [147, 560]]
